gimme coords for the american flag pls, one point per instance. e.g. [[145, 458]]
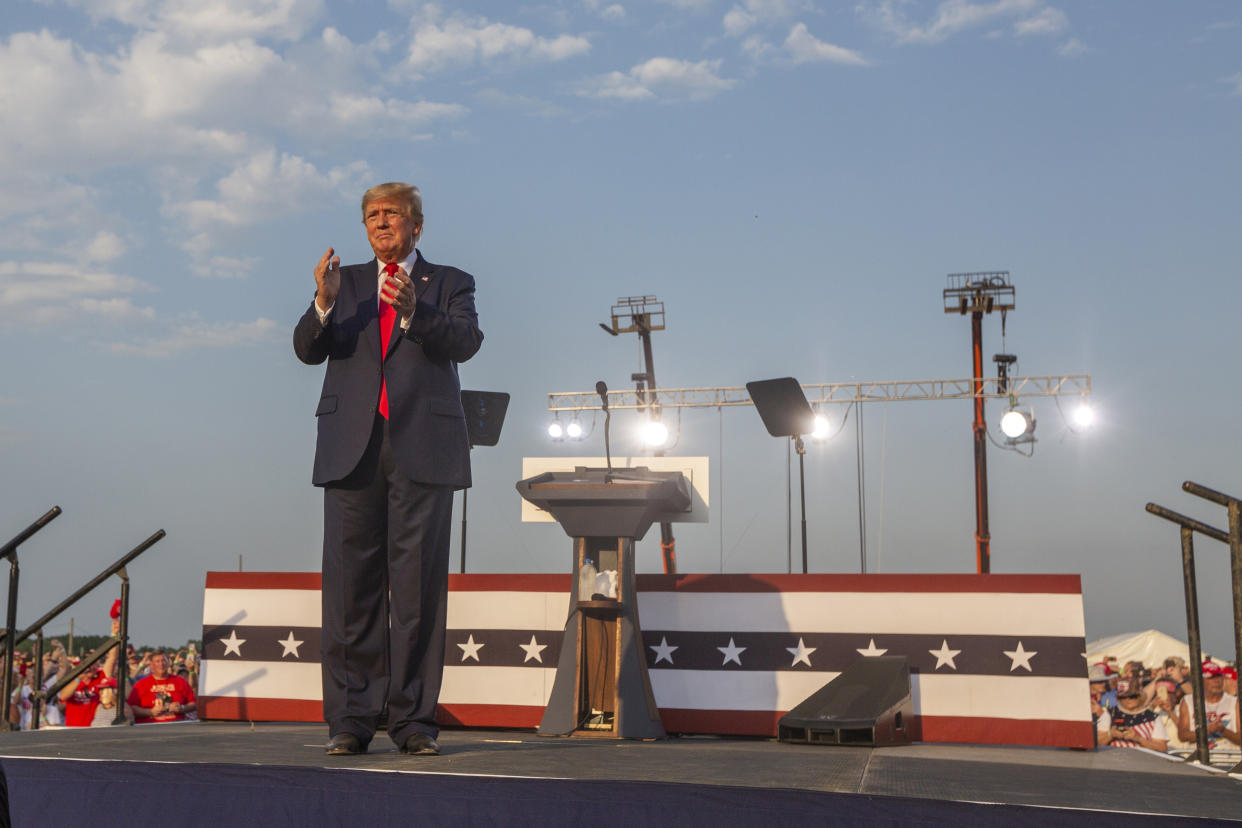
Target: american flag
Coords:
[[994, 659]]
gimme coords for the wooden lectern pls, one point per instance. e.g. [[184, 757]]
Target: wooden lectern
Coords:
[[602, 688]]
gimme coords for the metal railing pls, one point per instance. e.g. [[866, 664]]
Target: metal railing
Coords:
[[9, 550], [1189, 526], [12, 639]]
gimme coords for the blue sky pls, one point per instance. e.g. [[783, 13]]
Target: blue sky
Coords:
[[792, 178]]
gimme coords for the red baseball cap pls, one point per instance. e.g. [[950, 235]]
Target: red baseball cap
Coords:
[[1212, 670]]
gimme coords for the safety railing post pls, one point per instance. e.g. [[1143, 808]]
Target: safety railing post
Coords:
[[10, 625], [1201, 753], [122, 656]]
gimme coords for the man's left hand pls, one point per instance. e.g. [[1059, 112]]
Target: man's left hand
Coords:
[[398, 291]]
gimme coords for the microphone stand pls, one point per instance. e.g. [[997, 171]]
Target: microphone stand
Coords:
[[602, 390]]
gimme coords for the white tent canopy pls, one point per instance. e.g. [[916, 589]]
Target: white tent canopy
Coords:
[[1151, 647]]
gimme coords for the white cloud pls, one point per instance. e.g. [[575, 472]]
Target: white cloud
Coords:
[[40, 293], [804, 47], [748, 13], [200, 20], [662, 77], [689, 5], [756, 48], [464, 41], [104, 247], [951, 17], [31, 285], [1047, 21], [270, 181], [120, 309], [193, 333], [152, 101], [612, 12], [737, 20], [145, 101], [1072, 48], [353, 109]]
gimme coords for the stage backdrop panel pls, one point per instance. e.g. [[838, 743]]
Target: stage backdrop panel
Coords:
[[994, 659]]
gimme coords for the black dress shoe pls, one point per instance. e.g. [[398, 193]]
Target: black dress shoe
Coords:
[[420, 744], [345, 744]]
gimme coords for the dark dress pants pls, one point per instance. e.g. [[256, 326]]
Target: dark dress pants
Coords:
[[385, 592]]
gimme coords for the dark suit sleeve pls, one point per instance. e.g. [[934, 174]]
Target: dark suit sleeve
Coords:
[[454, 332], [309, 343]]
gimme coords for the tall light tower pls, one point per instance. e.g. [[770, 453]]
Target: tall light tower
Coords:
[[977, 294], [642, 315]]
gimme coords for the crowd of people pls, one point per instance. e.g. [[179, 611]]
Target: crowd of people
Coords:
[[159, 687], [1153, 708]]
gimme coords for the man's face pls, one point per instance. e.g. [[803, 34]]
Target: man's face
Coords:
[[1132, 702], [389, 230], [1213, 686], [159, 665]]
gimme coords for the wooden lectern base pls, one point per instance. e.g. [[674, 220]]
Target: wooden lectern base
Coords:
[[602, 689]]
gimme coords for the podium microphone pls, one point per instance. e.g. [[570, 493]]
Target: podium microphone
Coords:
[[601, 388]]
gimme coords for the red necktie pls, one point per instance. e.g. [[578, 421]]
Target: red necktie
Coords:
[[387, 315]]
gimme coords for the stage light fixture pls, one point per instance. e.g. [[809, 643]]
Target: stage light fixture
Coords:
[[654, 433], [1084, 417], [1015, 423], [574, 430], [556, 431], [820, 430]]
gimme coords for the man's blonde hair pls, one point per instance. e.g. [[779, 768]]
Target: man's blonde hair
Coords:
[[405, 193]]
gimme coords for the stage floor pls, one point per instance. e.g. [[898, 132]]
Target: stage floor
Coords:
[[1110, 780]]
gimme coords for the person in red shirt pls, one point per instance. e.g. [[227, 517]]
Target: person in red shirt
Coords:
[[82, 696], [161, 697]]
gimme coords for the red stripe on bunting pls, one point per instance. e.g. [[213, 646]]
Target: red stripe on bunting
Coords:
[[231, 708], [263, 580]]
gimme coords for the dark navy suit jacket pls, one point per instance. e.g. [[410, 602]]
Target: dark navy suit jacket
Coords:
[[427, 426]]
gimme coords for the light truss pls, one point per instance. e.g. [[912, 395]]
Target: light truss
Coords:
[[1065, 385]]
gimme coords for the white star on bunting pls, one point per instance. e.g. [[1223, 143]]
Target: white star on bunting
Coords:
[[801, 653], [290, 646], [533, 650], [663, 650], [944, 655], [872, 650], [732, 653], [470, 649], [1020, 658], [232, 644]]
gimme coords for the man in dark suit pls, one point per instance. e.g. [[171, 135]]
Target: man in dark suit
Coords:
[[392, 448]]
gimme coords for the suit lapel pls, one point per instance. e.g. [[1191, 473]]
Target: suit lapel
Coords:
[[423, 276], [367, 287]]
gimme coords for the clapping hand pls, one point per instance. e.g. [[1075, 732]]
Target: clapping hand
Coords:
[[327, 279]]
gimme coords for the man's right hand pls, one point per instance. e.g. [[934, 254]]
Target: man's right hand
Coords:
[[327, 279]]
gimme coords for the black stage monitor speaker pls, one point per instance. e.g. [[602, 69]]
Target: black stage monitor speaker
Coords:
[[868, 704], [485, 414], [782, 406]]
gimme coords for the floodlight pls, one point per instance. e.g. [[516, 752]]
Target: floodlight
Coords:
[[654, 433], [1084, 417], [1015, 423], [820, 430], [574, 430], [556, 431]]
